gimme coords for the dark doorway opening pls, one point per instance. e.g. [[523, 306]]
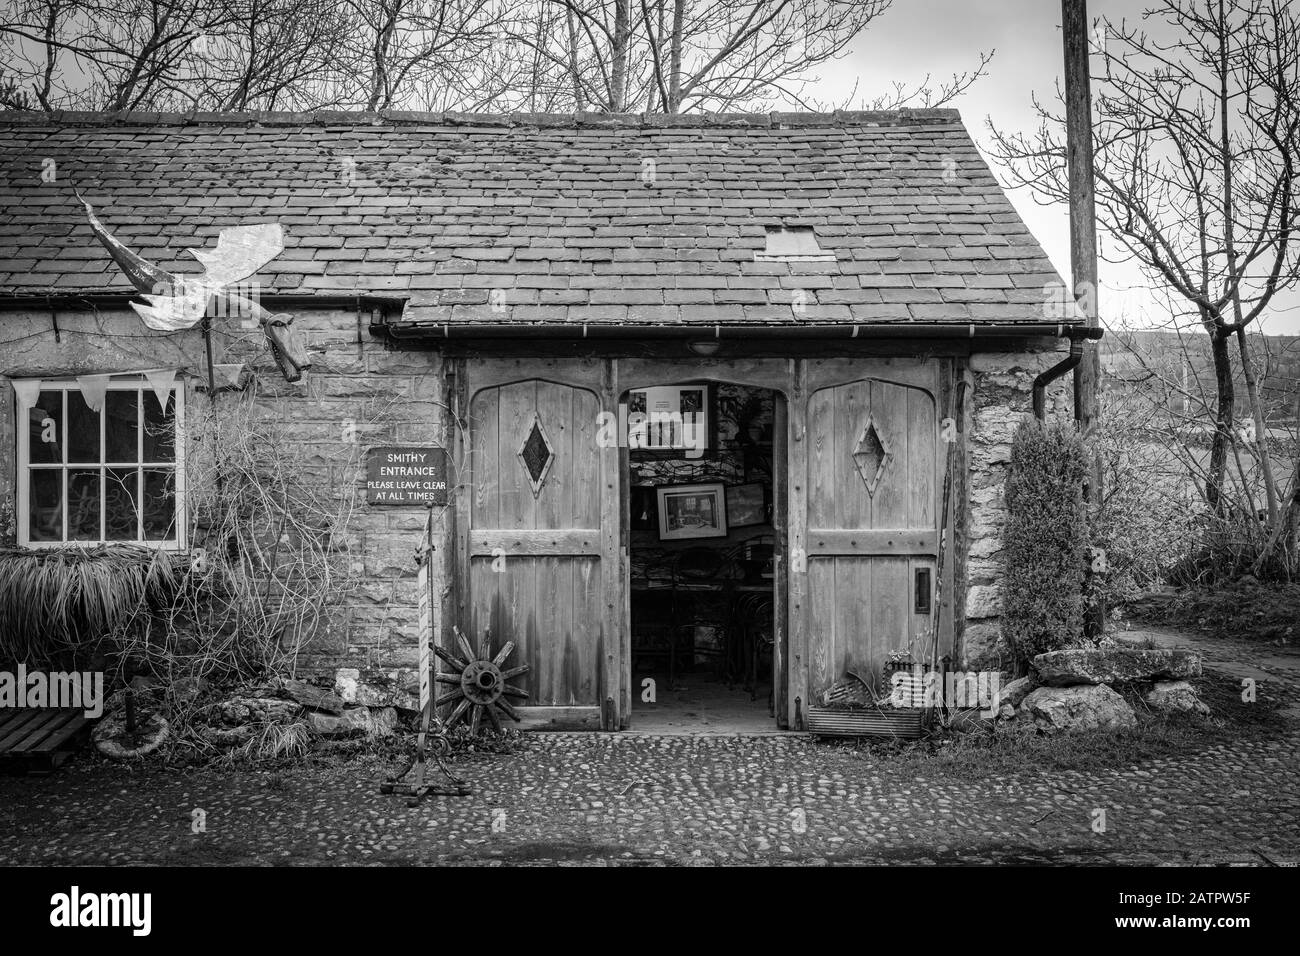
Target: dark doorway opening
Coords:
[[705, 474]]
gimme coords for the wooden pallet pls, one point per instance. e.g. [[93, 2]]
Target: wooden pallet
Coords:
[[39, 739]]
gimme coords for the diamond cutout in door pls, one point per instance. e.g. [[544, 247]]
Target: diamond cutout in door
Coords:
[[536, 455], [872, 454]]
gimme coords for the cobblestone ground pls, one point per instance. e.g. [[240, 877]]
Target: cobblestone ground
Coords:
[[637, 800], [675, 800]]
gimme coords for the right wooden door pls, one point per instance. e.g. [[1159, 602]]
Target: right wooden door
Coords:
[[872, 528]]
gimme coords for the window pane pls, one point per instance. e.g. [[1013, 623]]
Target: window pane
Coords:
[[46, 429], [83, 429], [119, 504], [45, 505], [159, 504], [159, 428], [121, 426], [83, 504]]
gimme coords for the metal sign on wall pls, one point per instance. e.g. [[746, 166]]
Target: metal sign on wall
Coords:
[[406, 475]]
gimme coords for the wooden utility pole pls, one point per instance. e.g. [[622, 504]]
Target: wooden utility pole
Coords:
[[1083, 243]]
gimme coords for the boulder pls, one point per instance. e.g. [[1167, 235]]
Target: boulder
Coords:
[[1013, 693], [354, 722], [1176, 695], [243, 710], [1006, 712], [1113, 665], [1081, 707], [373, 688], [317, 698]]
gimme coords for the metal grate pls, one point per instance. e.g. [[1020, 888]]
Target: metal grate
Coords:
[[903, 723]]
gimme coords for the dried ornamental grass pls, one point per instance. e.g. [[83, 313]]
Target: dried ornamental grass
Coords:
[[273, 741], [55, 599]]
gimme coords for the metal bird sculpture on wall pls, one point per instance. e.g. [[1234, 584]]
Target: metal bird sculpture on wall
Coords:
[[177, 302]]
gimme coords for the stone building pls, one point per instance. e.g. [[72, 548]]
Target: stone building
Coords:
[[838, 317]]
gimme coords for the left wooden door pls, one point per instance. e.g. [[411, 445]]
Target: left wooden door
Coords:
[[534, 548]]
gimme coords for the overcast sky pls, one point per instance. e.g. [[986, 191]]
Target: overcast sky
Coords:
[[942, 37]]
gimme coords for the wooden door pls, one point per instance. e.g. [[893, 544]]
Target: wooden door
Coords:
[[535, 539], [872, 534]]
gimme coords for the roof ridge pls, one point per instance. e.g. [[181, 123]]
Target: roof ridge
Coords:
[[902, 117]]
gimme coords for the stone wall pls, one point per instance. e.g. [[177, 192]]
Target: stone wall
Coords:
[[354, 397], [1001, 398], [357, 394]]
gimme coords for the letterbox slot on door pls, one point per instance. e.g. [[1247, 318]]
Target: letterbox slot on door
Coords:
[[922, 591]]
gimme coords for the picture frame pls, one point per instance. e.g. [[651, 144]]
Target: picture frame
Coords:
[[692, 511], [671, 420], [746, 504]]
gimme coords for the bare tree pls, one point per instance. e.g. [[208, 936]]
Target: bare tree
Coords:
[[929, 93], [82, 53], [253, 54], [398, 47], [1196, 141], [276, 54], [677, 56], [168, 54], [667, 56], [1160, 417]]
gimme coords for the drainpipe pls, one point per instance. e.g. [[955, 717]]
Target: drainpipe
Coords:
[[1077, 337]]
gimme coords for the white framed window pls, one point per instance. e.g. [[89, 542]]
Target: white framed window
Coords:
[[112, 475]]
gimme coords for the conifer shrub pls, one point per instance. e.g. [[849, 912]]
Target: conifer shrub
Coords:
[[1045, 541]]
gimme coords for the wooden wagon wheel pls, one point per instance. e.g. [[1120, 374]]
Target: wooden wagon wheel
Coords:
[[479, 682]]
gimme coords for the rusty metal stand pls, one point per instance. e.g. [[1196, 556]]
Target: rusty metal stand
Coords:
[[417, 788]]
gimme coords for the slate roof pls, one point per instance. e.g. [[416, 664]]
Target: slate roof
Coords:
[[576, 219]]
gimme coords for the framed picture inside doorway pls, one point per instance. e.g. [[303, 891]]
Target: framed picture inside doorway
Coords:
[[674, 420], [746, 504], [692, 511]]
